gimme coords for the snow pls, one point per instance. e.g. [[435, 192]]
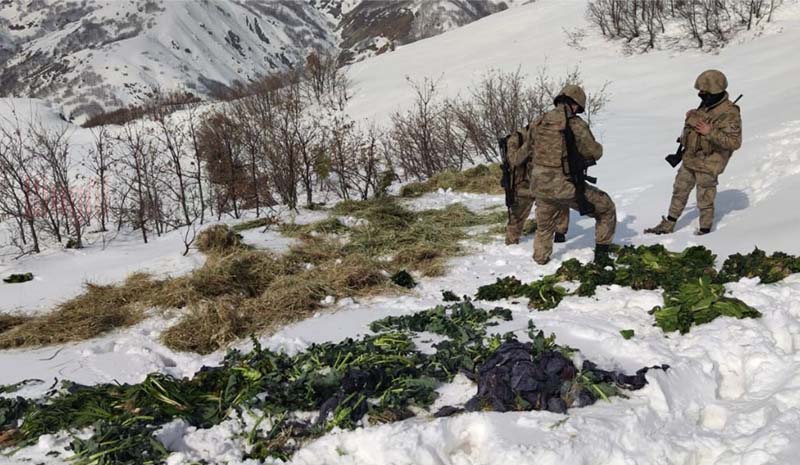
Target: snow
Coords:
[[113, 53], [732, 394], [649, 95]]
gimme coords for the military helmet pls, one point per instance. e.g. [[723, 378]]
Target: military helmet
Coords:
[[711, 81], [575, 93]]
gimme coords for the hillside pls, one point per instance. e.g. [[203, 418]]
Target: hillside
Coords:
[[101, 55], [650, 93], [731, 395]]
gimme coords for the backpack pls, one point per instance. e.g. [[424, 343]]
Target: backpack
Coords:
[[515, 150], [548, 139]]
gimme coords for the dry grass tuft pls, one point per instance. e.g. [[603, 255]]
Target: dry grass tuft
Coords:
[[241, 291], [244, 273], [482, 179], [210, 325], [428, 259], [98, 310], [218, 239], [353, 275], [327, 226], [264, 222], [8, 322]]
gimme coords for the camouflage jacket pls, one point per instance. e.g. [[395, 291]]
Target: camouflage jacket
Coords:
[[710, 153]]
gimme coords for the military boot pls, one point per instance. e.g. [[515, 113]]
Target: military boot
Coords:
[[666, 226], [511, 239], [602, 254]]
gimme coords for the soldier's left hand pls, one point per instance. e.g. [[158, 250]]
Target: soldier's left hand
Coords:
[[703, 128]]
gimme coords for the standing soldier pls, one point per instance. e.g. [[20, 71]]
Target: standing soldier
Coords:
[[553, 184], [520, 199], [710, 135]]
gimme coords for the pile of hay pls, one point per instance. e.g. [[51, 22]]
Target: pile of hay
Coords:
[[240, 291], [98, 310], [482, 179]]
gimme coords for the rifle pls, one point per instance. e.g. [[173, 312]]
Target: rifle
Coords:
[[578, 167], [674, 159], [507, 181]]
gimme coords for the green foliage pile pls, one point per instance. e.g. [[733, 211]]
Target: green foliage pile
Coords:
[[698, 302], [403, 279], [543, 294], [643, 267], [18, 278], [377, 377], [757, 264], [481, 179], [693, 291], [461, 321]]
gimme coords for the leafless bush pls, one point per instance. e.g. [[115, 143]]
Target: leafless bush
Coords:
[[707, 23], [325, 81], [160, 102], [140, 169], [50, 147], [16, 200], [355, 157], [222, 151], [100, 161], [416, 135], [502, 102], [40, 191]]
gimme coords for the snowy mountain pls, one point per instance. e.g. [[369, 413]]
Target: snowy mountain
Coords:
[[104, 54], [373, 27]]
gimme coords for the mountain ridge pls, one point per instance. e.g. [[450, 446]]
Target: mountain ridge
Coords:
[[92, 57]]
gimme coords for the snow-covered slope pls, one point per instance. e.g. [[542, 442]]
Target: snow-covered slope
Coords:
[[732, 396], [649, 96]]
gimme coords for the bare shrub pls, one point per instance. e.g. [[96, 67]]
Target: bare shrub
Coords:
[[707, 23], [416, 135], [139, 170], [160, 102], [221, 148], [325, 81], [51, 146], [16, 199], [100, 161]]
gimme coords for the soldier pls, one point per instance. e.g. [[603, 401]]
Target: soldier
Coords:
[[550, 177], [710, 135], [518, 153]]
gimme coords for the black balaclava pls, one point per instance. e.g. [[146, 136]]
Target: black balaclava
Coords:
[[709, 100]]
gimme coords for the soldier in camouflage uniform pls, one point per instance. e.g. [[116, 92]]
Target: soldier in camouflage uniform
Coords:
[[519, 156], [551, 184], [710, 136]]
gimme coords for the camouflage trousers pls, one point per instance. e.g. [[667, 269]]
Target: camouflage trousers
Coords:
[[518, 214], [706, 183], [548, 212]]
